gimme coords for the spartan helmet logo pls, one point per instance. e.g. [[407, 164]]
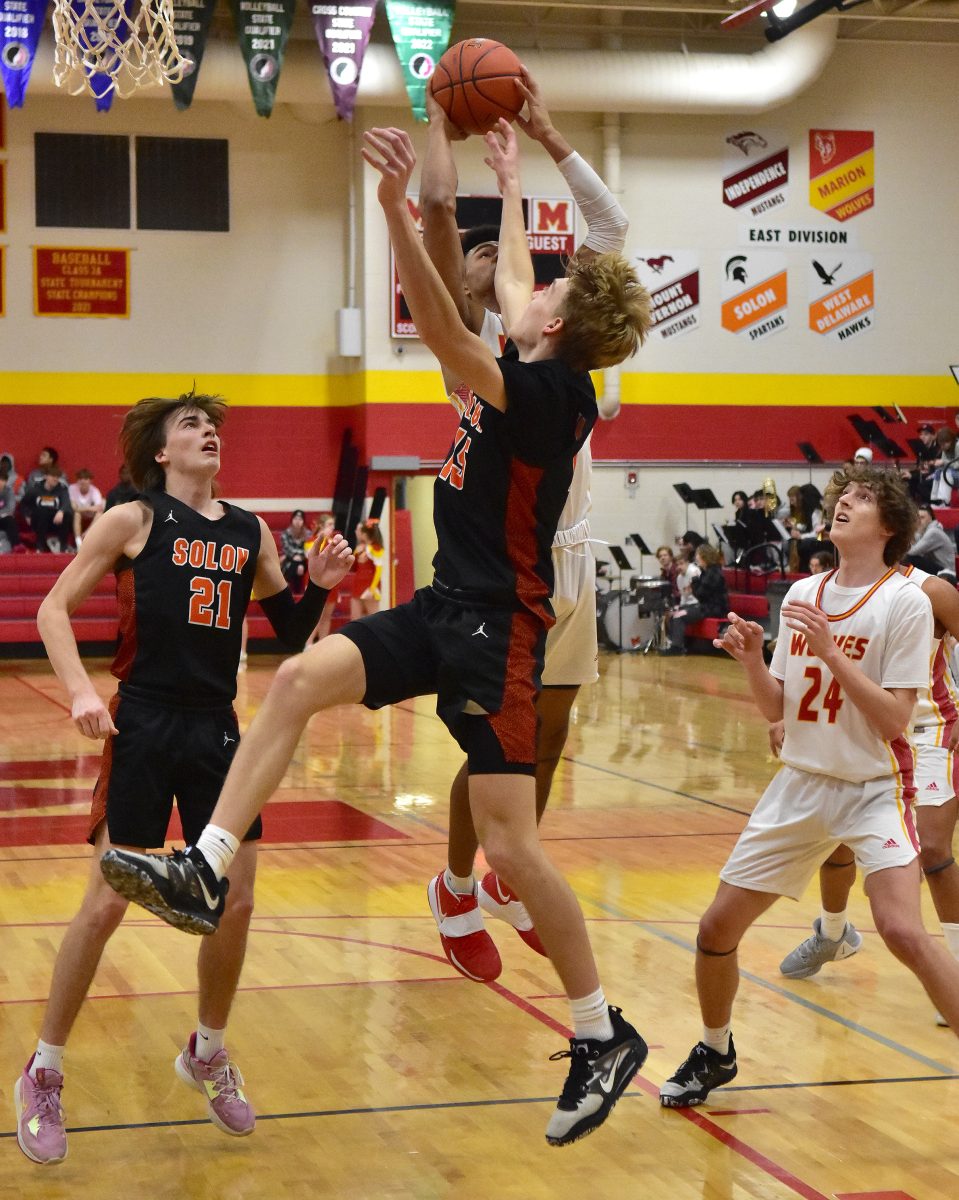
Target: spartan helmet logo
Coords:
[[825, 144], [15, 56], [343, 71], [736, 268]]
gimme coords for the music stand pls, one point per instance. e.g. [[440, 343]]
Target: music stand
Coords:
[[624, 565], [641, 546], [686, 494], [704, 500], [916, 446]]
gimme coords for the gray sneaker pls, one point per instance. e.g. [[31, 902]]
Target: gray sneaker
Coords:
[[810, 955]]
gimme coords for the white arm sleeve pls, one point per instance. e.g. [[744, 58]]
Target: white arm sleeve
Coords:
[[605, 220]]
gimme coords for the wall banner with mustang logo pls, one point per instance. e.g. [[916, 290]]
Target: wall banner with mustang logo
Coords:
[[755, 171], [842, 295], [672, 279], [842, 172]]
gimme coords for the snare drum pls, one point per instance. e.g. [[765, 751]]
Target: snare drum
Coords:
[[652, 595], [626, 626]]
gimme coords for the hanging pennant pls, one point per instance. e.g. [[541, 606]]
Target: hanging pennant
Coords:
[[262, 28], [20, 25], [191, 25], [421, 34], [343, 33]]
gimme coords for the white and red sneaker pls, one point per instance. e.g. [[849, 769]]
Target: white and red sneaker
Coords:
[[496, 899], [466, 944]]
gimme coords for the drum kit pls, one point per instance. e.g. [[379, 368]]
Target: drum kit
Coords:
[[632, 618]]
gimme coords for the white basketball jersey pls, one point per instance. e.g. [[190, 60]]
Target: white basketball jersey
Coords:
[[886, 629], [936, 712]]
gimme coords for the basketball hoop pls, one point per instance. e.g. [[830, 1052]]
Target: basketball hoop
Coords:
[[121, 45]]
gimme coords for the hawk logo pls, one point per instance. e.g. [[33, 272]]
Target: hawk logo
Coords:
[[827, 277], [747, 140], [825, 144]]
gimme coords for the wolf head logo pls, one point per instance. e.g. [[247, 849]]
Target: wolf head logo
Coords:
[[825, 144]]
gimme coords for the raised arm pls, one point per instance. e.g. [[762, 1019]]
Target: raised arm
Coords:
[[514, 264]]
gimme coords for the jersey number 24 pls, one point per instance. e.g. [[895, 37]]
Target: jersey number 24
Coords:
[[831, 702]]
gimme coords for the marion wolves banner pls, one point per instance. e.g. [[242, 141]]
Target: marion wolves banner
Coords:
[[672, 279], [842, 172], [262, 27], [421, 33], [842, 296], [20, 25], [755, 171], [191, 25], [343, 31], [754, 294]]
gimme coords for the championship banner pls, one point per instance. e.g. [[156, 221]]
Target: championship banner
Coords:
[[262, 27], [842, 296], [343, 33], [550, 232], [20, 25], [191, 25], [80, 281], [421, 34], [842, 172], [101, 83], [672, 279], [755, 171], [754, 294]]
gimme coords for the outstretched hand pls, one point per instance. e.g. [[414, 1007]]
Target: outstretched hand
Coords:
[[503, 157], [436, 114], [331, 562], [742, 639], [390, 151], [538, 124]]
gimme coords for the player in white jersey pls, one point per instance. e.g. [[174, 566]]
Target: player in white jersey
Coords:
[[934, 733], [852, 655], [468, 266]]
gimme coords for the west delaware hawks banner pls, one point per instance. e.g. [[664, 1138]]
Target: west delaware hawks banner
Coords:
[[343, 32], [20, 25], [842, 172], [262, 28], [842, 295], [191, 25], [421, 33]]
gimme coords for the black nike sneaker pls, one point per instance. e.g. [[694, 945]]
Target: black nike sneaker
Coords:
[[599, 1073], [179, 887], [704, 1070]]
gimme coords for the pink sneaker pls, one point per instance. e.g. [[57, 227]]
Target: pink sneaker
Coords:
[[222, 1084], [496, 899], [466, 943], [40, 1132]]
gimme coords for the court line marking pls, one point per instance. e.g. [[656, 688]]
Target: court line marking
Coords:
[[40, 692], [657, 787]]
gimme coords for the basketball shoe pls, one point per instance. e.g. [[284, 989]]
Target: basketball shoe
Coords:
[[599, 1073], [466, 944], [704, 1070], [496, 899], [40, 1132], [809, 956], [222, 1084], [179, 887]]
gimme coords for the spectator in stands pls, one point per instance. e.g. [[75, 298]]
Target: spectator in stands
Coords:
[[123, 490], [945, 475], [686, 573], [710, 598], [739, 501], [368, 572], [7, 465], [47, 507], [933, 549], [325, 528], [821, 560], [668, 570], [293, 551], [9, 534], [689, 541], [862, 455], [805, 524], [48, 457], [87, 503]]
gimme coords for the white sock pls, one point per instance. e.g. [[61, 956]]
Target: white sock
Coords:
[[461, 884], [717, 1039], [218, 848], [951, 934], [591, 1017], [47, 1058], [832, 925], [208, 1041]]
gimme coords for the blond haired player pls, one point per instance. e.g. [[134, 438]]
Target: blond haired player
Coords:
[[852, 656]]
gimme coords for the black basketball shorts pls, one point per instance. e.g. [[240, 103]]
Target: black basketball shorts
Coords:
[[482, 663], [159, 753]]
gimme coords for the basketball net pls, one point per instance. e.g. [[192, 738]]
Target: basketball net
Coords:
[[121, 45]]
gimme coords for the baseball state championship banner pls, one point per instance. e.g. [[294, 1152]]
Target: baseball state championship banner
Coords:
[[81, 281], [755, 171], [262, 28], [754, 294], [343, 33], [550, 231], [672, 279], [842, 172], [191, 24], [421, 33], [842, 296], [20, 25]]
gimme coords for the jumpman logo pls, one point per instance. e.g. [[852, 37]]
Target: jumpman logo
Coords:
[[227, 739], [171, 517], [481, 630]]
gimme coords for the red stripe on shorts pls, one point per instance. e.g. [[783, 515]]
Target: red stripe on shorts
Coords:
[[98, 806]]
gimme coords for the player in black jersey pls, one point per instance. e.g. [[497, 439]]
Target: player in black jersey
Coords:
[[186, 565], [475, 637]]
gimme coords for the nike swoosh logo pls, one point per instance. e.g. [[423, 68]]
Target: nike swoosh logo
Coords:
[[606, 1079], [211, 901]]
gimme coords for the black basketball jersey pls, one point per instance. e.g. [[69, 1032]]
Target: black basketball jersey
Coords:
[[498, 497], [182, 601]]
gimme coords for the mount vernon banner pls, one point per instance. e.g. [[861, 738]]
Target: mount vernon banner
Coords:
[[754, 294], [842, 296], [842, 172], [343, 31], [262, 27], [672, 279], [755, 171], [421, 33], [191, 24], [20, 25]]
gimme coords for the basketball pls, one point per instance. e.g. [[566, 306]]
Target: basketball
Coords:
[[475, 83]]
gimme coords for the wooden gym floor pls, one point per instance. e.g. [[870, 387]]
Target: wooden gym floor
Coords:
[[376, 1070]]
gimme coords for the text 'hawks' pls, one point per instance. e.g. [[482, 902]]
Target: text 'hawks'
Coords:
[[209, 555], [853, 647]]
